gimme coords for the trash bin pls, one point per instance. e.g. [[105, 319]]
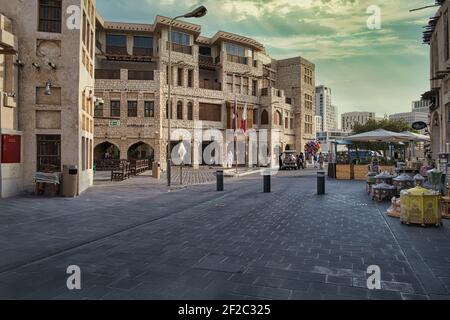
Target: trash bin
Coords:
[[70, 181], [156, 170]]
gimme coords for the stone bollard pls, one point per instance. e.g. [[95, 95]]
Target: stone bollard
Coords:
[[219, 177], [320, 183]]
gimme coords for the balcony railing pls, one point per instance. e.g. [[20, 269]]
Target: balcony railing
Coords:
[[107, 74], [140, 75], [209, 85], [122, 51], [179, 48], [208, 60], [237, 59], [143, 52]]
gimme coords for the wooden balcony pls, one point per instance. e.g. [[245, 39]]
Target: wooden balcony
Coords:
[[143, 52], [237, 59], [140, 75], [114, 50], [209, 85], [179, 48], [105, 74]]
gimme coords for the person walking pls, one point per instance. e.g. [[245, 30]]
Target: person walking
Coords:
[[315, 160], [321, 160], [302, 160]]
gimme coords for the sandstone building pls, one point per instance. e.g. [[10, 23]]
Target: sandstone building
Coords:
[[48, 89], [437, 36], [208, 75]]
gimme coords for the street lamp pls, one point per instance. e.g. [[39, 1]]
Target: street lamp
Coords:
[[197, 13]]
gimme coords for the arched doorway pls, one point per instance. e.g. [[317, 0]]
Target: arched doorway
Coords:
[[435, 135], [106, 150], [141, 151]]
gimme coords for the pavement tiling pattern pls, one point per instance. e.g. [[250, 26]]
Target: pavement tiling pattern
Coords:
[[143, 242]]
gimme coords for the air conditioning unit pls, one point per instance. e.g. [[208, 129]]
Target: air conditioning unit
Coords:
[[9, 101]]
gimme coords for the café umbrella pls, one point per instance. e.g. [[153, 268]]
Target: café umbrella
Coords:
[[379, 135]]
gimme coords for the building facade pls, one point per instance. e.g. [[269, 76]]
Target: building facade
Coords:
[[326, 109], [54, 96], [208, 76], [318, 124], [410, 117], [421, 106], [437, 37], [351, 118], [11, 169]]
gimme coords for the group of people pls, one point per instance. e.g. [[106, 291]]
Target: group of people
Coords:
[[319, 160]]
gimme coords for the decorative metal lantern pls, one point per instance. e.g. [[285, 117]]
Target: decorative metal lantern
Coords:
[[419, 180], [384, 177], [421, 206], [403, 182], [383, 191]]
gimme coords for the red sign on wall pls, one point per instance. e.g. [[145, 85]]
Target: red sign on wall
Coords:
[[11, 148]]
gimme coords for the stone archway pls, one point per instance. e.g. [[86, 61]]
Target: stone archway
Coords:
[[141, 151], [106, 150]]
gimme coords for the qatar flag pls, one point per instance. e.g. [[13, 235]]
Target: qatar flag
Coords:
[[235, 116], [244, 126]]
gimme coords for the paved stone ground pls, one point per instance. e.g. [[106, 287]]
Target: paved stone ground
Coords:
[[142, 242]]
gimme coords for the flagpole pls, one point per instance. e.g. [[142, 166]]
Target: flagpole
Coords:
[[235, 132]]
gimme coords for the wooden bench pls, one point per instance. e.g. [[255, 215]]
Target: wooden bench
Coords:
[[122, 173], [139, 166]]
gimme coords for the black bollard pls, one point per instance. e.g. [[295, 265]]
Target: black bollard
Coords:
[[219, 176], [320, 183], [267, 183]]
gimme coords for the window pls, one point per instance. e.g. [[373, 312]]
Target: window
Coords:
[[180, 77], [254, 87], [235, 49], [84, 28], [286, 123], [98, 110], [115, 109], [446, 34], [167, 110], [116, 44], [230, 82], [277, 119], [204, 51], [210, 112], [190, 78], [50, 18], [115, 40], [143, 46], [264, 117], [48, 153], [83, 153], [180, 110], [132, 109], [149, 109], [181, 38], [255, 117], [190, 111]]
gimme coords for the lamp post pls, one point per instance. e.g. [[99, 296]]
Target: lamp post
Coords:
[[197, 13]]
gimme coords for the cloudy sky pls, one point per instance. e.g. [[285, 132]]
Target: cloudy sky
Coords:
[[374, 70]]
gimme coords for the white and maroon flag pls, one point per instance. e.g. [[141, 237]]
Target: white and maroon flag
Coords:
[[235, 116], [244, 124]]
